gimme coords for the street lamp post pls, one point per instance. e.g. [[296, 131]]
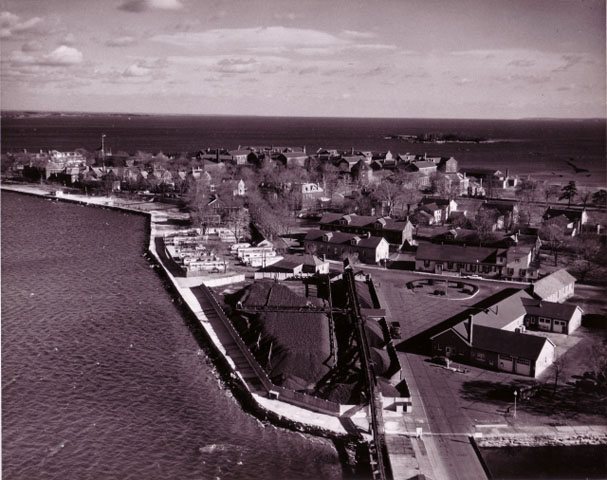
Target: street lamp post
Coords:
[[515, 394]]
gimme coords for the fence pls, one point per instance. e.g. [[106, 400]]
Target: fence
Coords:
[[286, 395]]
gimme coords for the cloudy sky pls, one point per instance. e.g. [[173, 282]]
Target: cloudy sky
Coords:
[[382, 58]]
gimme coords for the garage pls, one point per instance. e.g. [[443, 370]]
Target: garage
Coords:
[[560, 326], [505, 363], [523, 366]]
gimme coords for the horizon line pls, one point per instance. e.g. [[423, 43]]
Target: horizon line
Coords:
[[84, 112]]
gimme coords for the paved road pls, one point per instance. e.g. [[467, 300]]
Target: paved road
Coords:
[[437, 410]]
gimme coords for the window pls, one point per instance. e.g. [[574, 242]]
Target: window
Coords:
[[450, 265], [523, 361], [473, 268], [480, 356], [426, 263]]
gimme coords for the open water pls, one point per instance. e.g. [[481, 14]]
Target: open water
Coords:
[[101, 377], [523, 146]]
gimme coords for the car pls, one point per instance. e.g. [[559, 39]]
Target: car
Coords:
[[475, 277]]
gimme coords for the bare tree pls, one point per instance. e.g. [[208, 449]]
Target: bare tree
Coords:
[[553, 236], [198, 199], [483, 224], [529, 193]]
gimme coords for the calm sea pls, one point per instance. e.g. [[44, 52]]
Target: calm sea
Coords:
[[523, 146], [101, 377]]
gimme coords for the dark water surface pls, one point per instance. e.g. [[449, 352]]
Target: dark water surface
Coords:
[[523, 146], [550, 463], [101, 377]]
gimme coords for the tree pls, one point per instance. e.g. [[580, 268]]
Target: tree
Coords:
[[197, 199], [529, 193], [550, 192], [553, 236], [388, 193], [587, 255], [568, 192], [599, 198], [483, 224]]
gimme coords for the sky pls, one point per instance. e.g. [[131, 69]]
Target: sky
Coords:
[[337, 58]]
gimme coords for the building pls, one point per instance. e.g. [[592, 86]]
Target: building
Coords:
[[556, 287], [570, 221], [552, 317], [439, 208], [494, 338], [295, 266], [339, 245], [395, 232], [500, 263]]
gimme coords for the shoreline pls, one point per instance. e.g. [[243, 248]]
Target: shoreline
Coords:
[[351, 450]]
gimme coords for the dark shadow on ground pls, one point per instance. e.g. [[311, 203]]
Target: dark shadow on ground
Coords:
[[563, 402]]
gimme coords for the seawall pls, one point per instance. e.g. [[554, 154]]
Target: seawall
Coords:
[[352, 452]]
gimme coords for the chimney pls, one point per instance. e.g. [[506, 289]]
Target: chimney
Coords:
[[470, 328]]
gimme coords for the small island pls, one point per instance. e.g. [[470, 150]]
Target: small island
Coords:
[[438, 138]]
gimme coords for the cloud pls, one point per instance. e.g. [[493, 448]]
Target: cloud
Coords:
[[521, 63], [136, 70], [568, 61], [285, 16], [138, 6], [121, 41], [32, 46], [248, 38], [62, 56], [11, 24], [69, 39], [355, 34]]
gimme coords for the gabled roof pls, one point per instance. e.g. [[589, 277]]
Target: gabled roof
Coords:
[[559, 311], [456, 253], [340, 238], [240, 152], [552, 283], [572, 215], [421, 165], [363, 221], [519, 345]]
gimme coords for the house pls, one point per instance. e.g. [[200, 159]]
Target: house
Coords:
[[570, 220], [490, 178], [242, 156], [501, 263], [241, 189], [507, 213], [494, 338], [337, 245], [361, 172], [298, 159], [439, 208], [310, 193], [425, 168], [395, 232], [448, 165], [556, 287], [552, 317], [295, 266], [346, 162]]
